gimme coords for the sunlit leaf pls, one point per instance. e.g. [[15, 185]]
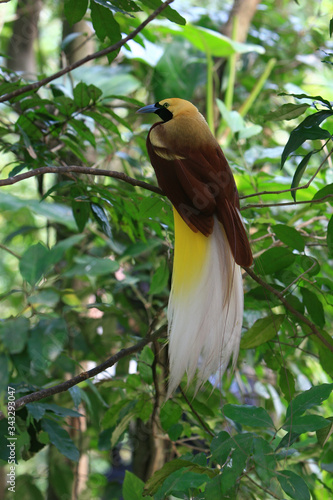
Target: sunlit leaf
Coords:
[[287, 112], [290, 236], [210, 41], [273, 260]]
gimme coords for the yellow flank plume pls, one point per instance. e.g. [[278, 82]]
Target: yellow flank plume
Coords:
[[190, 256]]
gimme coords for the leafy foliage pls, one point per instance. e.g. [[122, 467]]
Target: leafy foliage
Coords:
[[86, 259]]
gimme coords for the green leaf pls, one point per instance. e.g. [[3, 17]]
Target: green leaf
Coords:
[[263, 330], [325, 355], [222, 444], [25, 487], [325, 433], [133, 487], [102, 219], [104, 23], [104, 121], [170, 414], [286, 383], [38, 410], [293, 485], [248, 415], [83, 131], [307, 399], [46, 342], [299, 173], [323, 192], [287, 112], [34, 263], [14, 334], [122, 426], [92, 266], [56, 253], [141, 247], [237, 451], [308, 129], [329, 237], [160, 278], [209, 41], [169, 13], [287, 440], [158, 478], [61, 440], [74, 10], [145, 362], [111, 416], [290, 236], [305, 423], [264, 459], [314, 307], [4, 371], [274, 260], [85, 94], [312, 98]]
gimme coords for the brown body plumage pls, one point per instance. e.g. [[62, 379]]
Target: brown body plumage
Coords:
[[194, 174]]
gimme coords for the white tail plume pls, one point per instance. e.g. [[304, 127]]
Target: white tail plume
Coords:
[[205, 307]]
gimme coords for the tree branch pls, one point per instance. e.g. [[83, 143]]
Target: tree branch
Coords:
[[265, 205], [81, 170], [64, 386], [286, 304], [95, 55]]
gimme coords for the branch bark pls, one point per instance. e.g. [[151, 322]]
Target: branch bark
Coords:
[[80, 170], [95, 55], [64, 386]]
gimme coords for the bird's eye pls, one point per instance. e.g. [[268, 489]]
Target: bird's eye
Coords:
[[166, 105]]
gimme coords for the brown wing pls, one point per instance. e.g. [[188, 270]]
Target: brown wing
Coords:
[[200, 184]]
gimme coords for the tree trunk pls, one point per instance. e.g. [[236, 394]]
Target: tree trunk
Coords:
[[244, 10], [21, 51]]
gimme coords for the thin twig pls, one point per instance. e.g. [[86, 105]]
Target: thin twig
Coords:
[[266, 205], [3, 247], [95, 55], [262, 487], [296, 313], [81, 170], [295, 347], [298, 278], [202, 422], [64, 386]]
